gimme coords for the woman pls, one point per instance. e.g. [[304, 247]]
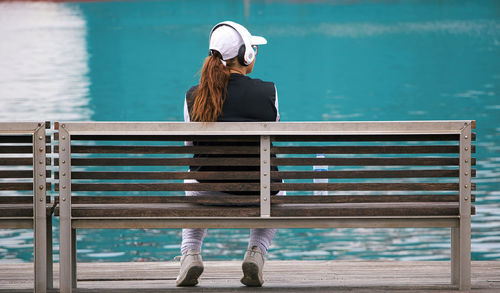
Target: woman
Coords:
[[226, 93]]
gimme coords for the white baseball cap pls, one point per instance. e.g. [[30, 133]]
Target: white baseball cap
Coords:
[[227, 37]]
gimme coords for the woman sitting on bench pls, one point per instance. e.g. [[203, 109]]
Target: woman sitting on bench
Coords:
[[226, 94]]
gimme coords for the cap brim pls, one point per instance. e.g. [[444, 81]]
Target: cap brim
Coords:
[[256, 40]]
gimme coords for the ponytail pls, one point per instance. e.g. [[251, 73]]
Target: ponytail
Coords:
[[211, 92]]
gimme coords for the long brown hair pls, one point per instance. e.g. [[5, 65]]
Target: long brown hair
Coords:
[[211, 92]]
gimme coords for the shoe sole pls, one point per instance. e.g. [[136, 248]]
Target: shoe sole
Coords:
[[251, 276], [191, 277]]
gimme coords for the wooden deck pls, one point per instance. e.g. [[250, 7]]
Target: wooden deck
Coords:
[[280, 276]]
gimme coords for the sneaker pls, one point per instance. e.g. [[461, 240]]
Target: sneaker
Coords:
[[252, 267], [191, 269]]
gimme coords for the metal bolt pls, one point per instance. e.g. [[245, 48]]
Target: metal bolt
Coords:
[[265, 149], [41, 199], [64, 162], [265, 174], [466, 160], [466, 148], [466, 173], [265, 186], [41, 174], [466, 124], [466, 186], [63, 126], [466, 198], [63, 149], [265, 162], [40, 149], [64, 137], [265, 198], [466, 137], [64, 186], [64, 199], [39, 124], [64, 174], [40, 137], [41, 162], [41, 187]]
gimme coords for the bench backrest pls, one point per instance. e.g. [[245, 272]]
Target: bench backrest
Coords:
[[369, 164], [24, 168]]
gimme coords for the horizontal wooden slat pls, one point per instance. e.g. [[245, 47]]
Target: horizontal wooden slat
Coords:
[[367, 210], [374, 137], [16, 139], [255, 199], [431, 149], [366, 186], [143, 175], [20, 173], [20, 210], [21, 149], [16, 199], [96, 137], [163, 161], [20, 161], [20, 186], [366, 174], [164, 187], [227, 150], [162, 210], [367, 161], [214, 200], [317, 199]]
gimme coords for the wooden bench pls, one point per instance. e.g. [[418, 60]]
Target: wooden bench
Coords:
[[381, 175], [24, 203]]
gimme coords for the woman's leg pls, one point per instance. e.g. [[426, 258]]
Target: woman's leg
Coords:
[[192, 239], [261, 238]]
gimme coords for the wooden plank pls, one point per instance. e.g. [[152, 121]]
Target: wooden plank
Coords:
[[15, 139], [20, 161], [209, 138], [143, 175], [16, 199], [427, 149], [161, 210], [163, 161], [20, 210], [342, 276], [364, 198], [213, 200], [154, 149], [367, 186], [163, 187], [367, 161], [20, 186], [366, 174], [19, 173], [365, 209], [374, 137]]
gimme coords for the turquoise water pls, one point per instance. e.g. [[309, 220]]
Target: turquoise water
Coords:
[[330, 60]]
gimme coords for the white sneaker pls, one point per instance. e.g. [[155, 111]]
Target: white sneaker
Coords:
[[252, 267], [191, 269]]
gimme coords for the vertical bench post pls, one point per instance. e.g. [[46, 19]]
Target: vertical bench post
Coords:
[[461, 236], [265, 176], [65, 236], [39, 209]]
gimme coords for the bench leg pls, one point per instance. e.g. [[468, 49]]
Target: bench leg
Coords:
[[73, 257], [50, 258], [40, 254], [65, 255], [460, 257]]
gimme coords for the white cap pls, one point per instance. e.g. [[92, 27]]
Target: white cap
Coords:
[[227, 38]]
